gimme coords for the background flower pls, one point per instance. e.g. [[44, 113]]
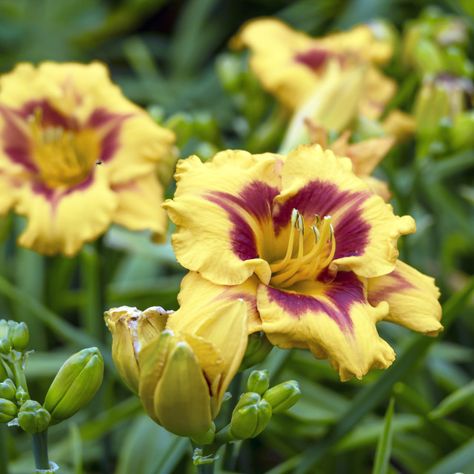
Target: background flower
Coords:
[[76, 155]]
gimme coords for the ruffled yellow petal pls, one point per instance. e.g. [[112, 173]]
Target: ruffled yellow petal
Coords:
[[139, 206], [62, 223], [196, 292], [333, 319], [8, 193], [365, 229], [412, 297], [378, 187], [219, 210], [378, 91]]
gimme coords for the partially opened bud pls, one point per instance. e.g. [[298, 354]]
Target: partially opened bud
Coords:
[[7, 389], [5, 345], [19, 336], [283, 396], [33, 418], [131, 329], [258, 381], [8, 410], [75, 384], [250, 416], [173, 388]]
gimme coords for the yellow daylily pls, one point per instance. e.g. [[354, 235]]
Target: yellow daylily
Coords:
[[180, 363], [76, 156], [305, 243], [292, 65]]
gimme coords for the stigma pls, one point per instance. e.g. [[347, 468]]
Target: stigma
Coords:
[[310, 250]]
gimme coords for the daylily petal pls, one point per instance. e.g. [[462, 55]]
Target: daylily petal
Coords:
[[219, 209], [412, 297], [8, 193], [333, 319], [139, 206], [378, 187], [379, 89], [399, 125], [196, 292], [63, 222], [365, 228]]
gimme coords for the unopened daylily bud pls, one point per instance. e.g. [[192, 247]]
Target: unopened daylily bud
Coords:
[[173, 388], [3, 372], [250, 416], [131, 329], [462, 130], [8, 410], [21, 395], [75, 384], [3, 328], [258, 381], [283, 396], [5, 345], [258, 347], [7, 389], [33, 418], [19, 336]]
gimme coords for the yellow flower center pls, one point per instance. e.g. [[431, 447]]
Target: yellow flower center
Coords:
[[307, 253], [64, 157]]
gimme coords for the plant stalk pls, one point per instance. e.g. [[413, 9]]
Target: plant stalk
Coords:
[[40, 450]]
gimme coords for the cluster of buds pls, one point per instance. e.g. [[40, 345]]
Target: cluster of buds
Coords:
[[180, 366], [437, 43], [75, 384]]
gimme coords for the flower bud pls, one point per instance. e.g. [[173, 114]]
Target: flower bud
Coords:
[[258, 381], [21, 395], [19, 336], [207, 437], [33, 418], [131, 329], [462, 130], [5, 345], [75, 384], [283, 396], [8, 410], [258, 347], [3, 372], [7, 389], [3, 328], [250, 416]]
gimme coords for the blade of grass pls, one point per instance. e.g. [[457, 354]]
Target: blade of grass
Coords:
[[384, 446], [371, 395], [457, 461]]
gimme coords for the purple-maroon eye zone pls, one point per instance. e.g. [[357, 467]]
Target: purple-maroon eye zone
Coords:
[[326, 199], [396, 283], [314, 58], [256, 200], [336, 301]]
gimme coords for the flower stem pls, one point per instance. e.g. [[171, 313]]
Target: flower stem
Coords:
[[3, 450], [40, 450], [205, 468]]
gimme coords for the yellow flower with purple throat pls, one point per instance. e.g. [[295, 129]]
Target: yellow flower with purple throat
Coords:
[[77, 156], [308, 246]]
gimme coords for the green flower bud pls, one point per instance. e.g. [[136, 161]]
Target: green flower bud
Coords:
[[5, 345], [19, 336], [8, 410], [258, 381], [258, 347], [428, 57], [462, 130], [21, 395], [283, 396], [33, 418], [3, 328], [250, 416], [7, 389], [75, 384], [3, 372]]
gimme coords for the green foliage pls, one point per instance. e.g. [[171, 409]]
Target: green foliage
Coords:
[[173, 57]]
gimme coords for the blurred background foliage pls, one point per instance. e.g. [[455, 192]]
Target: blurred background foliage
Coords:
[[172, 57]]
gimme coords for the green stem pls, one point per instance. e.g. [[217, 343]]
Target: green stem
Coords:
[[3, 450], [19, 374], [40, 450], [205, 468]]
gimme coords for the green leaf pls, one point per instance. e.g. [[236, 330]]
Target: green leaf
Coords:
[[462, 397], [384, 446]]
